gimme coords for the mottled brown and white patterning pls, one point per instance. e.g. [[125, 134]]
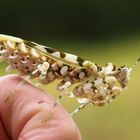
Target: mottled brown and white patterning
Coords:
[[97, 85], [103, 88], [44, 63]]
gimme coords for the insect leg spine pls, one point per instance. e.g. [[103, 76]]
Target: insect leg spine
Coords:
[[64, 92]]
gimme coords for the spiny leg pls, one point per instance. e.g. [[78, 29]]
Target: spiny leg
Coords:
[[79, 108], [138, 61], [58, 99], [63, 92], [53, 108], [63, 86]]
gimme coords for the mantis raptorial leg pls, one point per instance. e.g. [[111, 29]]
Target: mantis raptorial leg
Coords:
[[47, 64]]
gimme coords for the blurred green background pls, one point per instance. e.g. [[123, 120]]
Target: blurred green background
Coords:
[[97, 30]]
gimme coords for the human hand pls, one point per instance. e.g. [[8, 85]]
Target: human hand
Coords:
[[22, 114]]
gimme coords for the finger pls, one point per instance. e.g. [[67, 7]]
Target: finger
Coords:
[[3, 135], [23, 113]]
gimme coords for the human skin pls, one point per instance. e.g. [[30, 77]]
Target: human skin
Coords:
[[25, 114]]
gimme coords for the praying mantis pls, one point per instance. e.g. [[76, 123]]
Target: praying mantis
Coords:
[[94, 84]]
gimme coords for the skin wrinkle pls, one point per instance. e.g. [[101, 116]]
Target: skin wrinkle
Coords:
[[3, 133], [6, 107], [49, 124], [30, 109], [28, 116], [27, 113], [6, 121], [22, 124], [58, 134], [19, 105]]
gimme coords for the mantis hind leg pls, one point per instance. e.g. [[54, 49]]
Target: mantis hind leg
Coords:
[[80, 108], [63, 86]]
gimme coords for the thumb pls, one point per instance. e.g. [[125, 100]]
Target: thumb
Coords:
[[22, 114]]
